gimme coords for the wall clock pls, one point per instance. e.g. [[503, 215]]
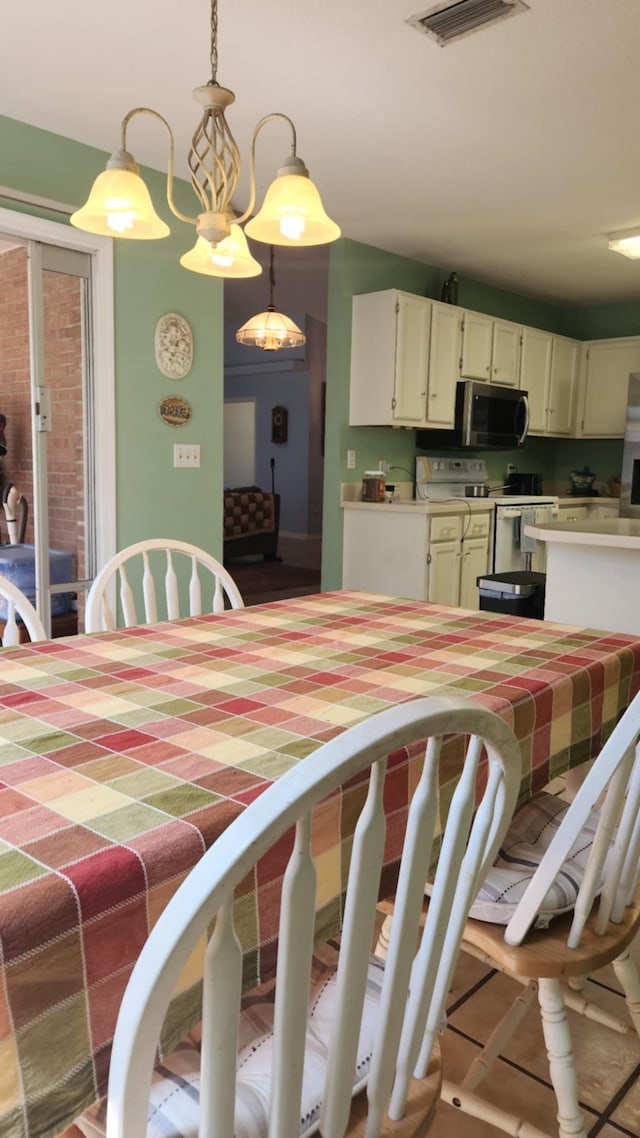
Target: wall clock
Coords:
[[174, 345], [279, 425]]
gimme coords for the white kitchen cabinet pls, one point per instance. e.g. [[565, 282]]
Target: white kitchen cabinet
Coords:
[[444, 573], [409, 553], [602, 510], [572, 513], [505, 353], [444, 558], [405, 351], [562, 383], [548, 372], [535, 373], [606, 365], [444, 357], [475, 562], [490, 350], [477, 341], [385, 551]]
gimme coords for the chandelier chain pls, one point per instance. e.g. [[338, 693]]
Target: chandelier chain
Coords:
[[272, 277], [214, 42]]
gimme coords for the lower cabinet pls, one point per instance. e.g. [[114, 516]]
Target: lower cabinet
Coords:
[[457, 559], [572, 513], [405, 554]]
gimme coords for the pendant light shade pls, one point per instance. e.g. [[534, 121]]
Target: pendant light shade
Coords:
[[119, 205], [270, 330], [231, 258], [292, 214]]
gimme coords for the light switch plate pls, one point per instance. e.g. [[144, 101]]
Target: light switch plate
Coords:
[[186, 454]]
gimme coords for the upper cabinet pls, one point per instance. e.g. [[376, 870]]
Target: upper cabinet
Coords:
[[405, 352], [535, 372], [408, 352], [606, 365], [490, 350], [548, 373]]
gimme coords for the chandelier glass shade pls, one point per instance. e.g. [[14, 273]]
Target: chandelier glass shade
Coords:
[[627, 242], [270, 330], [119, 204], [230, 258]]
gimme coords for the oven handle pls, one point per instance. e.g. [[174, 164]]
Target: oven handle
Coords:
[[523, 436]]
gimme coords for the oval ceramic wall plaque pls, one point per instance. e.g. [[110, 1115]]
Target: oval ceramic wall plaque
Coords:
[[175, 411], [174, 345]]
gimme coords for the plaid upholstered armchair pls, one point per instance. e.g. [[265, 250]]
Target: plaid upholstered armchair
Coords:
[[251, 522]]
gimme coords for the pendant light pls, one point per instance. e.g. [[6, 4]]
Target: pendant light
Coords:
[[270, 330], [119, 204]]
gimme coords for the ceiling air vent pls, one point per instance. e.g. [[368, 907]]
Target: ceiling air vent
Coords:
[[448, 21]]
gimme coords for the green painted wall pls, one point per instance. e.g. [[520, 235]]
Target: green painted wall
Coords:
[[602, 321], [153, 498]]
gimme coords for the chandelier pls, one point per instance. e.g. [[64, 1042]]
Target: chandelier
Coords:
[[292, 213], [270, 330]]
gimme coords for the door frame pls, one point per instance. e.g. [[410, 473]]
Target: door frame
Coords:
[[101, 339]]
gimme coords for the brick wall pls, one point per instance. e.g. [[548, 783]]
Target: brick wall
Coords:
[[63, 369]]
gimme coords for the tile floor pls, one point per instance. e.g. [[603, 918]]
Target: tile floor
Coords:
[[608, 1064]]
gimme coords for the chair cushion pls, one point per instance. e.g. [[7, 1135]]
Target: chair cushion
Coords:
[[175, 1093], [522, 850]]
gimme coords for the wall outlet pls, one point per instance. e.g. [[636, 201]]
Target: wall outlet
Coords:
[[351, 460], [511, 468], [186, 454], [384, 466]]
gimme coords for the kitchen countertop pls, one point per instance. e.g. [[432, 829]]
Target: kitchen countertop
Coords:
[[614, 533], [454, 505], [431, 506]]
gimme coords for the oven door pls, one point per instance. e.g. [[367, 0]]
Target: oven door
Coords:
[[508, 536]]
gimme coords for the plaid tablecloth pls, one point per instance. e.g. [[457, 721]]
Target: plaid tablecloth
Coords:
[[123, 756]]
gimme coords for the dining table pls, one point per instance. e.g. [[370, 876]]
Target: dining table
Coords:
[[124, 755]]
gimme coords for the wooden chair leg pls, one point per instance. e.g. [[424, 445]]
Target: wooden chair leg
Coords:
[[627, 974], [561, 1062], [382, 947], [469, 1103]]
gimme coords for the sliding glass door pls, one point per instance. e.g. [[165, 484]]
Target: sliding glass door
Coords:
[[54, 476]]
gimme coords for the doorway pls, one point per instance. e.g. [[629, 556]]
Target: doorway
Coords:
[[53, 348], [239, 442]]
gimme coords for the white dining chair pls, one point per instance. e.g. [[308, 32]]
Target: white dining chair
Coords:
[[19, 607], [565, 885], [149, 568], [357, 1052]]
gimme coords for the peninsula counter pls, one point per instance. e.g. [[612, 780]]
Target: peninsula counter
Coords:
[[593, 572]]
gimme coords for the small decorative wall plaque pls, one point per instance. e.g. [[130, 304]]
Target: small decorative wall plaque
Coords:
[[174, 345], [175, 411]]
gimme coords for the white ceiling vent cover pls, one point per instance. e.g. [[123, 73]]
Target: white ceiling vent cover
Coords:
[[448, 21]]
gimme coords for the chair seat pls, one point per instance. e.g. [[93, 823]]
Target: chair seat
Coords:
[[545, 953], [174, 1104], [529, 836]]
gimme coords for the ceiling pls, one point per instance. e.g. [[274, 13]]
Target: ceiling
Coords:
[[507, 155]]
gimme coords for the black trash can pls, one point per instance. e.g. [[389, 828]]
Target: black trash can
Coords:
[[520, 592]]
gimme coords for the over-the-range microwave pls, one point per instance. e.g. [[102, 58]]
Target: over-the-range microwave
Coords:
[[487, 417]]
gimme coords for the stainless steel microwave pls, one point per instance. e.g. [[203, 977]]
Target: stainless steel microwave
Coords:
[[487, 417]]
